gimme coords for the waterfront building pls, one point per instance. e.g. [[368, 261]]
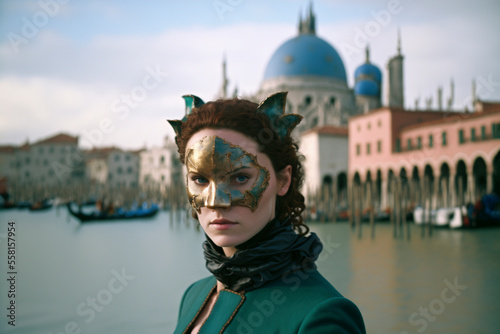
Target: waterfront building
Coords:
[[50, 162], [312, 72], [8, 164], [457, 154], [160, 167], [326, 168], [57, 162], [96, 164], [113, 167], [383, 142]]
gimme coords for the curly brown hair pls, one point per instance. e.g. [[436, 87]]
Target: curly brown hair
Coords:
[[241, 116]]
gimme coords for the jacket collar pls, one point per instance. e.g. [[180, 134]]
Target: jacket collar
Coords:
[[223, 311]]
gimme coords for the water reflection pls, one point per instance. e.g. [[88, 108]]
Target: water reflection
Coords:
[[401, 280], [391, 279]]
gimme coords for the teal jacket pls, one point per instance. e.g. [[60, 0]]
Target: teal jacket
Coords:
[[302, 302]]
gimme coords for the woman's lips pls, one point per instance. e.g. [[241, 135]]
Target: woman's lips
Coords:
[[222, 224]]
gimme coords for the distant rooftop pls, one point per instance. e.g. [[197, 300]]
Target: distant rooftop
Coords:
[[60, 138], [482, 106], [329, 130], [7, 149]]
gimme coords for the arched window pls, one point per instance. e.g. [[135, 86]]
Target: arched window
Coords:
[[479, 171], [496, 174]]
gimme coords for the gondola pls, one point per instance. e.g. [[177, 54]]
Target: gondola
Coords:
[[119, 214]]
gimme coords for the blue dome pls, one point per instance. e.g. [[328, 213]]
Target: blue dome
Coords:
[[305, 55], [366, 87], [368, 71]]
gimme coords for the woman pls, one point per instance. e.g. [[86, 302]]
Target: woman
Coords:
[[243, 180]]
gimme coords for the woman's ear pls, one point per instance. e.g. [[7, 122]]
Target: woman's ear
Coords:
[[284, 180]]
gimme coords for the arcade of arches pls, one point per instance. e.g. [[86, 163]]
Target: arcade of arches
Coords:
[[446, 185], [332, 188]]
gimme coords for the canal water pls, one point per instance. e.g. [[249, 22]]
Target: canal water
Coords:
[[128, 277]]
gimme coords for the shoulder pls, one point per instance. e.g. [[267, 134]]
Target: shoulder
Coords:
[[334, 315], [300, 283], [329, 311], [307, 283], [317, 307]]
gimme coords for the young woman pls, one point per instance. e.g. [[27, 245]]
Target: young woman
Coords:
[[243, 182]]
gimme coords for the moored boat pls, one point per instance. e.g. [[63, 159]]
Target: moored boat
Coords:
[[437, 217], [143, 211], [487, 211]]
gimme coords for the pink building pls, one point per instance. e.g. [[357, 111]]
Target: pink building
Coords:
[[457, 154]]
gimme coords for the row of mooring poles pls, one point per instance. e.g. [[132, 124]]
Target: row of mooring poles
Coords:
[[429, 204], [399, 209], [363, 204], [324, 203], [172, 197]]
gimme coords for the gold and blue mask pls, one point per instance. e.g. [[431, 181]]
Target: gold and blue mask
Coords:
[[212, 164], [273, 107]]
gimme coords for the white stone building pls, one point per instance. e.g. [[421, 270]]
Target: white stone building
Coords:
[[160, 167], [53, 161], [113, 167], [8, 162], [324, 166], [313, 73], [97, 170]]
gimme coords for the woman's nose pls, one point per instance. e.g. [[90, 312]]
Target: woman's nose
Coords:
[[217, 197]]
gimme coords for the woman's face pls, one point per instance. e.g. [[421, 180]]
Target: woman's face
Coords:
[[231, 185]]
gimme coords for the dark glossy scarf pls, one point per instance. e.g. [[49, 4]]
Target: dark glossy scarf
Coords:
[[274, 251]]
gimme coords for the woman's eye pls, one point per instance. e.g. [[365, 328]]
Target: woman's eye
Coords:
[[241, 179], [200, 180]]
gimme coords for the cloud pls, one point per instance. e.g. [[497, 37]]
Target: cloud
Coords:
[[110, 11], [434, 53], [37, 106], [72, 87], [59, 84]]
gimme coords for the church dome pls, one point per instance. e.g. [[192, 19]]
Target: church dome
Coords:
[[367, 88], [306, 55], [368, 71], [368, 78]]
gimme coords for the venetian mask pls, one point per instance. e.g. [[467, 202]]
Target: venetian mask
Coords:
[[213, 166]]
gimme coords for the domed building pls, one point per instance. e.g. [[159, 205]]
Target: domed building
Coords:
[[312, 72], [368, 85]]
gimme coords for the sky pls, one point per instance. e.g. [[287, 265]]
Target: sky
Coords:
[[112, 72]]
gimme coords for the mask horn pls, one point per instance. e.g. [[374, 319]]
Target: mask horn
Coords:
[[192, 101], [177, 126], [274, 108]]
